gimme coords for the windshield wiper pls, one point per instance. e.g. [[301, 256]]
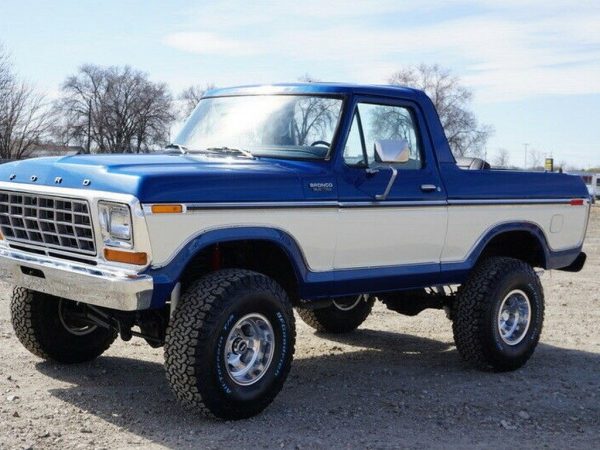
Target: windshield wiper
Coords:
[[181, 149], [231, 151]]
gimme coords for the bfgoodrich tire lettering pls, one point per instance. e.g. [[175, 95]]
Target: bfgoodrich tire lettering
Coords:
[[40, 328], [198, 333], [476, 325]]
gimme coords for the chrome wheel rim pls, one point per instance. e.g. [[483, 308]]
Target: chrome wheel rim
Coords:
[[514, 317], [353, 304], [71, 324], [249, 349]]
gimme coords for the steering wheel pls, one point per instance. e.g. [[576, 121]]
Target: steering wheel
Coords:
[[325, 143]]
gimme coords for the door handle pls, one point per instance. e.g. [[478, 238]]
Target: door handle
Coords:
[[429, 187]]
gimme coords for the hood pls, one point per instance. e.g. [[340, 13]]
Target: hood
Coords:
[[176, 178]]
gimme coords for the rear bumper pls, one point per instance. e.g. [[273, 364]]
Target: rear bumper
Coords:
[[96, 285]]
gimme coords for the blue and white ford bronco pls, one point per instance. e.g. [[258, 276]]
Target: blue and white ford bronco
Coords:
[[320, 197]]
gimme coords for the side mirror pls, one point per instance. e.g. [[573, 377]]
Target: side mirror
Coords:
[[392, 151]]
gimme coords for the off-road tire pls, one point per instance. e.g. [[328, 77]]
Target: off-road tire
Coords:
[[194, 361], [475, 327], [332, 319], [35, 319]]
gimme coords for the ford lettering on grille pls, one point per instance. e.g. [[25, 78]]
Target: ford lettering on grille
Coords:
[[48, 221]]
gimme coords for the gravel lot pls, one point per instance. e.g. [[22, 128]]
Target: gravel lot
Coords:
[[396, 382]]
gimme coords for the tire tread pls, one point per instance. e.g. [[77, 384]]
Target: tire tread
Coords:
[[30, 323], [191, 326], [472, 301]]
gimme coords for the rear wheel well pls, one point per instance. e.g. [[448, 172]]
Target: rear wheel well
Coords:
[[521, 245], [261, 256]]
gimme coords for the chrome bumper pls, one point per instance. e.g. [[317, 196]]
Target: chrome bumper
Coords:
[[96, 285]]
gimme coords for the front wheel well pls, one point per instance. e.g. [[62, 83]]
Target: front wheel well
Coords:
[[518, 244], [262, 256]]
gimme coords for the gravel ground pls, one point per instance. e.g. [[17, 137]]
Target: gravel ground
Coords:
[[396, 382]]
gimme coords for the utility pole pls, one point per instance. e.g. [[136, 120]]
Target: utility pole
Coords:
[[89, 130], [525, 145]]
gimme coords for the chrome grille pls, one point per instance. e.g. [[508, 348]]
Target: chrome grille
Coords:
[[49, 221]]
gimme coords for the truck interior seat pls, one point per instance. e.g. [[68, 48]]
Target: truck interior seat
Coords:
[[472, 163]]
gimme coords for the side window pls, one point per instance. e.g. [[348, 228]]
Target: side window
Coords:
[[385, 122], [353, 151]]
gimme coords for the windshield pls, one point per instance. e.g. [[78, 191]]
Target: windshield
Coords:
[[293, 126]]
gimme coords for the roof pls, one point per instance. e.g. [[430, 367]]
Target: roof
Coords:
[[316, 88]]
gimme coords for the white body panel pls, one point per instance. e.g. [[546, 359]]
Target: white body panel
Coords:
[[376, 237], [468, 224], [314, 229], [339, 238]]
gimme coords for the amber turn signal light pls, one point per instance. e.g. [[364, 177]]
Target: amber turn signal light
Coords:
[[138, 258], [167, 209]]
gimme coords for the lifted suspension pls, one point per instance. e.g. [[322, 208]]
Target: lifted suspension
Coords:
[[152, 323]]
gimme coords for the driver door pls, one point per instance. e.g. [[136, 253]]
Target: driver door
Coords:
[[403, 232]]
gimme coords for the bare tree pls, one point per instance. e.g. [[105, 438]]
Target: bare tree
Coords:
[[114, 109], [191, 96], [391, 123], [563, 166], [535, 159], [502, 158], [6, 73], [308, 78], [465, 134], [312, 115], [24, 120]]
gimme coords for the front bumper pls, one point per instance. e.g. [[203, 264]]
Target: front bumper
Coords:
[[96, 285]]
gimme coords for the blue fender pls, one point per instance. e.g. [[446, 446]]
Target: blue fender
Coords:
[[165, 277], [453, 272]]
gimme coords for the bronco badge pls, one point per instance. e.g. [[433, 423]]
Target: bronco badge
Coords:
[[321, 187]]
